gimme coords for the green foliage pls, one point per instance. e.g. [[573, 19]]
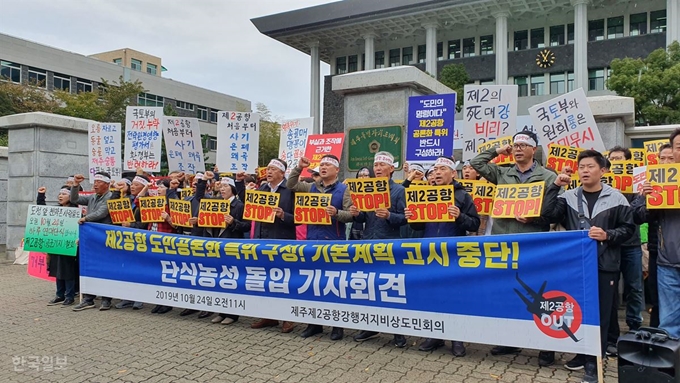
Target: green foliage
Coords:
[[654, 83], [270, 131], [455, 77], [17, 98]]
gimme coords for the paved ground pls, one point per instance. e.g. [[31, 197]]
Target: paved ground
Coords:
[[137, 346]]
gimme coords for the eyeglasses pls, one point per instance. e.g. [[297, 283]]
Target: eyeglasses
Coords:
[[520, 146]]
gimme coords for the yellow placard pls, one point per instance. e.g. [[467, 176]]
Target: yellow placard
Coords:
[[575, 182], [370, 194], [638, 156], [186, 192], [151, 208], [261, 172], [665, 180], [211, 213], [482, 193], [259, 206], [310, 208], [497, 143], [560, 157], [180, 211], [430, 203], [120, 210], [652, 150], [621, 175], [518, 200]]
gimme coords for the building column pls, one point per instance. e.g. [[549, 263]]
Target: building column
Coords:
[[580, 44], [501, 49], [672, 21], [431, 48], [369, 51], [315, 87]]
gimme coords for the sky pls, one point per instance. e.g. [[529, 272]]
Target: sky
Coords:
[[207, 43]]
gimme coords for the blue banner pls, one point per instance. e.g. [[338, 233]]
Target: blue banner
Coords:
[[430, 129], [527, 290]]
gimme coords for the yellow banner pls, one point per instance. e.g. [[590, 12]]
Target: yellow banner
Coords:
[[260, 206], [151, 208], [652, 150], [430, 203], [497, 143], [621, 176], [560, 156], [665, 180], [519, 200], [180, 211], [310, 208], [482, 193], [370, 194], [638, 156], [120, 210], [211, 213]]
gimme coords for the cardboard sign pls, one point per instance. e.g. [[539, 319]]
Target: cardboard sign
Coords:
[[238, 141], [310, 208], [186, 192], [143, 135], [639, 156], [497, 143], [211, 213], [621, 173], [104, 149], [37, 266], [261, 172], [518, 200], [120, 210], [652, 150], [370, 194], [183, 145], [639, 178], [430, 203], [665, 180], [575, 182], [482, 193], [151, 208], [490, 112], [259, 206], [180, 212], [319, 145], [52, 229], [430, 129], [293, 140], [560, 157]]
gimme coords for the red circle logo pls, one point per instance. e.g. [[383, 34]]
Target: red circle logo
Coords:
[[560, 315]]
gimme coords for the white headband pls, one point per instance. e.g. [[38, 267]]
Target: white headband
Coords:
[[140, 180], [127, 181], [70, 179], [385, 159], [64, 191], [418, 167], [99, 177], [524, 139], [228, 181], [330, 160], [445, 162], [277, 164]]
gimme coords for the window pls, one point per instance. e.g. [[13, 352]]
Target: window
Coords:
[[596, 79], [537, 85], [151, 69], [83, 86], [454, 49], [202, 113], [379, 59], [609, 75], [406, 55], [570, 81], [538, 38], [596, 30], [522, 87], [440, 51], [353, 63], [395, 57], [486, 45], [638, 24], [136, 65], [148, 99], [570, 33], [657, 21], [185, 105], [469, 47], [557, 83], [62, 82], [37, 77], [556, 35], [341, 65], [212, 143], [363, 61], [10, 71], [118, 61], [422, 53], [213, 116], [521, 40], [615, 27]]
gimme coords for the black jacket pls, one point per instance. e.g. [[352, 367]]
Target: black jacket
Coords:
[[280, 229], [61, 266], [236, 229]]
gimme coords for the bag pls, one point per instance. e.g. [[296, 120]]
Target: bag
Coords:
[[583, 221]]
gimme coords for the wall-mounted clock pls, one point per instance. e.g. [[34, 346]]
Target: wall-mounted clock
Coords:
[[545, 58]]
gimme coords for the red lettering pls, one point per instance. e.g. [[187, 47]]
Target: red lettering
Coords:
[[672, 194], [512, 208], [655, 198], [314, 215], [483, 205], [652, 159], [623, 183]]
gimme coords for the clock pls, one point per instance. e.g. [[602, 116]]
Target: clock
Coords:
[[545, 58]]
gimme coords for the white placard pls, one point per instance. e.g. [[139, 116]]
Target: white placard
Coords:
[[238, 136], [104, 149], [639, 178], [183, 144], [294, 140], [523, 122], [490, 112], [568, 121], [143, 135]]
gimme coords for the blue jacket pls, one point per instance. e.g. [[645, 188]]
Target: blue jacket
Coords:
[[336, 230], [468, 220], [378, 228]]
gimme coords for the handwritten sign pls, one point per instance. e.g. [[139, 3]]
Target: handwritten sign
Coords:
[[259, 206], [621, 173], [180, 212], [639, 178], [183, 144], [652, 149], [238, 141], [522, 123], [518, 200], [503, 159], [52, 229], [482, 193], [37, 266], [665, 181], [120, 210], [490, 112], [104, 149], [639, 156], [319, 145], [143, 138], [430, 129], [293, 140], [151, 208], [560, 157], [211, 213], [310, 208], [430, 203], [369, 194]]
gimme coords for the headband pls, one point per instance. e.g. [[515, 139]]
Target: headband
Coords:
[[64, 191], [70, 179], [385, 159], [228, 181], [103, 178], [524, 139], [331, 161], [445, 162], [140, 180], [418, 168], [277, 164], [127, 181]]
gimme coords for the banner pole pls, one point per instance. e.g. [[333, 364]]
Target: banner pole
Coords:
[[600, 370]]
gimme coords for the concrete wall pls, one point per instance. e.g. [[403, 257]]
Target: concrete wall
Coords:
[[3, 195]]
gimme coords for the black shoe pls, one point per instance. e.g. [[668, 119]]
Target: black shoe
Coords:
[[68, 302], [164, 309], [546, 358], [55, 301], [590, 375], [366, 335], [337, 333], [399, 341], [204, 314], [106, 305], [612, 351], [312, 330], [458, 349], [186, 312], [155, 309], [431, 344], [577, 363], [504, 350]]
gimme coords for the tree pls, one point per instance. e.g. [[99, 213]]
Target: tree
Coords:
[[654, 83], [455, 77], [106, 105], [270, 131], [17, 98]]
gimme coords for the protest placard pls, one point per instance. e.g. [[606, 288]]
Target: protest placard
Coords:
[[482, 193], [639, 156], [37, 266], [430, 203], [183, 144], [120, 210], [502, 159], [430, 129], [151, 208], [310, 208], [52, 229], [185, 192], [652, 150], [262, 172], [259, 206], [568, 121], [211, 213], [180, 212], [319, 145], [238, 141], [560, 157], [293, 140], [490, 112], [621, 175], [518, 200], [104, 149], [665, 181], [369, 194], [639, 178], [143, 133]]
